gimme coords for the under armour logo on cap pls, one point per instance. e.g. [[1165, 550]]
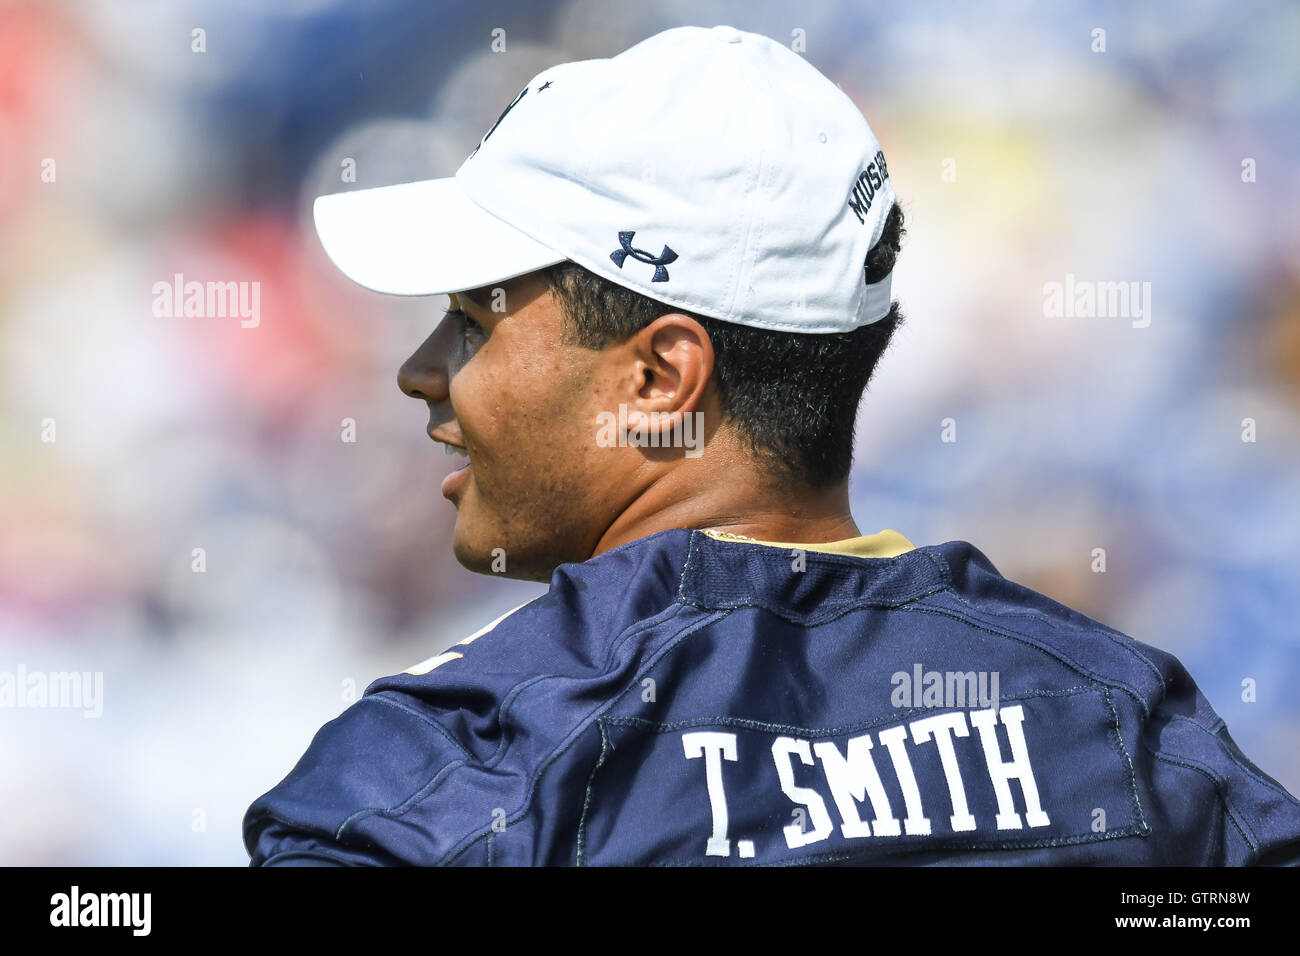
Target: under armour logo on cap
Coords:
[[640, 255]]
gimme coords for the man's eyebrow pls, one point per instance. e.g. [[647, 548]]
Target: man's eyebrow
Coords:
[[473, 296]]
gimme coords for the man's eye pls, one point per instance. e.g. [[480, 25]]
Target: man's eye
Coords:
[[469, 326]]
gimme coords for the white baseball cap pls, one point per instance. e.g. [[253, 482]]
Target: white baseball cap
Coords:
[[712, 169]]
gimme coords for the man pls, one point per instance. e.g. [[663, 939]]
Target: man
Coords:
[[670, 283]]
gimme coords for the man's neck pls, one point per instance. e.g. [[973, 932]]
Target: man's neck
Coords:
[[742, 503]]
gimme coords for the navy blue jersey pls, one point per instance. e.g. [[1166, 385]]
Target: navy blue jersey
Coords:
[[694, 698]]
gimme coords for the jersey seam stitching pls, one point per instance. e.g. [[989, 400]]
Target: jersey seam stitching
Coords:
[[1190, 764], [425, 718], [1027, 640], [575, 733], [1227, 752]]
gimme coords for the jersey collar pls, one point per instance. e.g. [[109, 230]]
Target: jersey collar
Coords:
[[883, 544]]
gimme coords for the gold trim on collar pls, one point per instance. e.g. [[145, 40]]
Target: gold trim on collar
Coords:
[[882, 544]]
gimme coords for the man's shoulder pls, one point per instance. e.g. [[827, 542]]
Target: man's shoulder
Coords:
[[1026, 621], [429, 760], [1189, 776]]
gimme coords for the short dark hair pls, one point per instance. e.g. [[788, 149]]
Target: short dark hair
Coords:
[[793, 396]]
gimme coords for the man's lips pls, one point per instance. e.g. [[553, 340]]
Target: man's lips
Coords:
[[452, 450], [452, 442], [455, 481]]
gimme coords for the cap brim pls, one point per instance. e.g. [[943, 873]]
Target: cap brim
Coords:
[[423, 238]]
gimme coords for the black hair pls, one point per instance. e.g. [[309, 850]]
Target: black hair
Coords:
[[793, 396]]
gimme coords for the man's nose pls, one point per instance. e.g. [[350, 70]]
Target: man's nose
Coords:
[[425, 374]]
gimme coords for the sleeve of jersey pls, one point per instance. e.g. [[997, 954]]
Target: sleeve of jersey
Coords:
[[279, 844], [371, 760], [1202, 772]]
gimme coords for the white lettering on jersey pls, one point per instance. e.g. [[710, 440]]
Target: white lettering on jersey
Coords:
[[917, 822], [795, 836], [852, 779], [943, 726], [713, 747], [1000, 772]]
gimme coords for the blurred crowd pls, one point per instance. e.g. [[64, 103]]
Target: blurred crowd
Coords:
[[181, 507]]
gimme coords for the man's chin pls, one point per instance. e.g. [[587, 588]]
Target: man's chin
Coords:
[[475, 558], [497, 561]]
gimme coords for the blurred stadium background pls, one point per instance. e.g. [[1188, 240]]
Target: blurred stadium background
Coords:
[[328, 563]]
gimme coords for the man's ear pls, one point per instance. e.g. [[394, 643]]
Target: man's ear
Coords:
[[672, 363]]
